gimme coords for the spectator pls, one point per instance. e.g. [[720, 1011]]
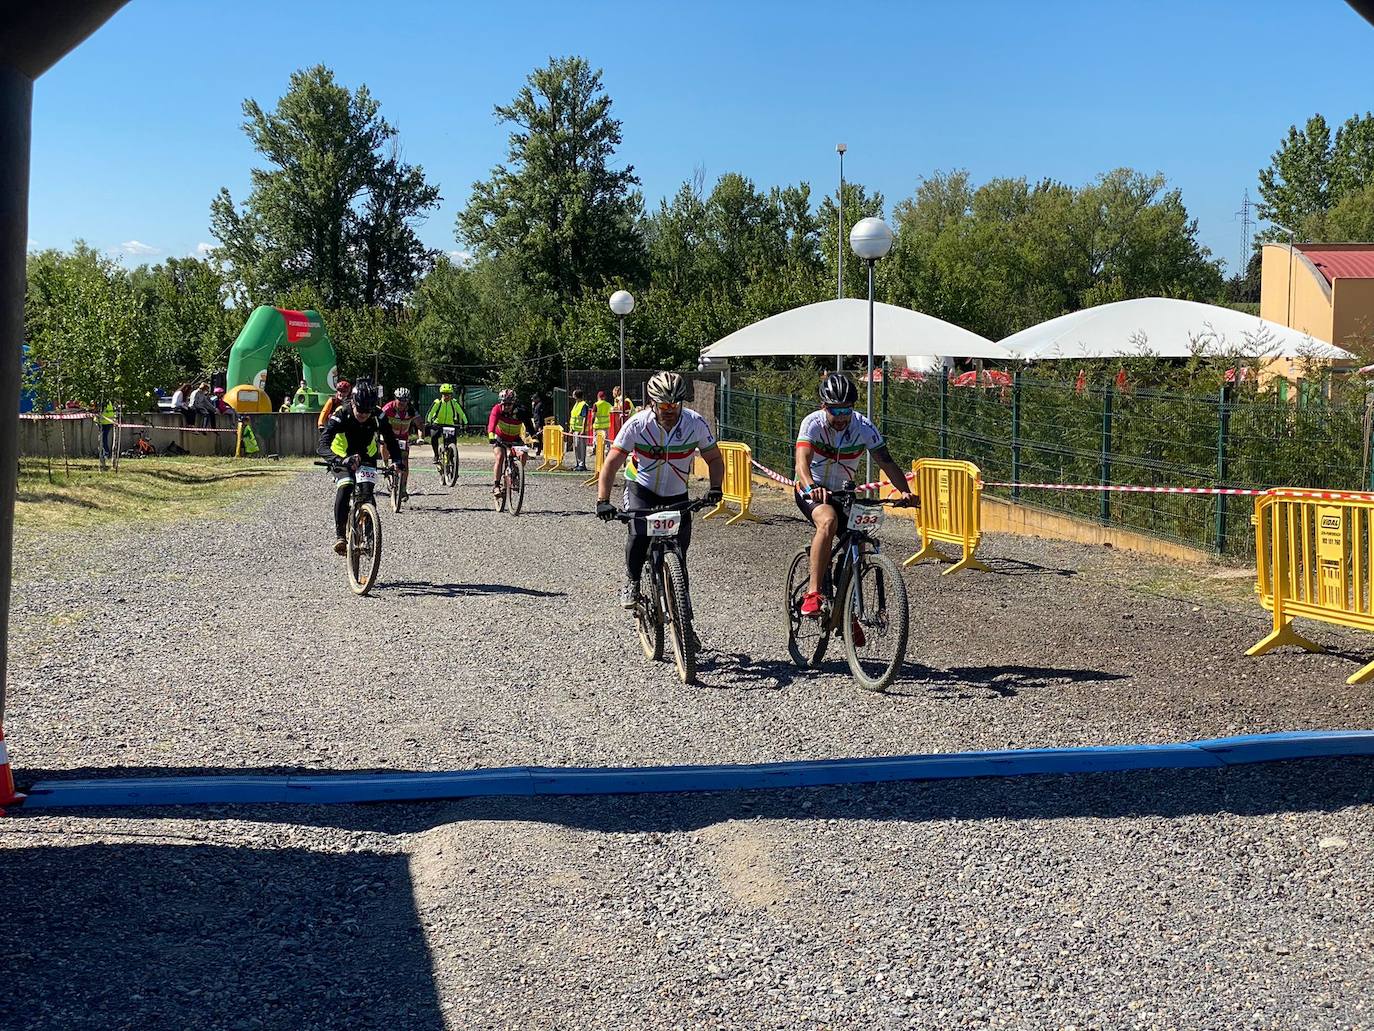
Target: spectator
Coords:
[[577, 425], [285, 404], [106, 419], [342, 392], [201, 405], [538, 411], [299, 399], [221, 405], [179, 405]]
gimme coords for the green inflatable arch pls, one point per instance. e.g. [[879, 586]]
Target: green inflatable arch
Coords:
[[267, 329]]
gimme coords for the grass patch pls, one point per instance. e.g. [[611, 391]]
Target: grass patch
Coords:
[[144, 490]]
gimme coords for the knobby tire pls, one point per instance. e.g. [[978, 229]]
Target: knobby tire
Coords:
[[807, 636], [676, 605], [362, 567], [879, 583]]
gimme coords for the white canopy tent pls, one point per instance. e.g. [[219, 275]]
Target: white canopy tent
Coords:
[[1162, 327], [840, 327]]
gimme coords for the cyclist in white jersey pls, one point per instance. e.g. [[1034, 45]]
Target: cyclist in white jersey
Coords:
[[830, 443], [661, 441]]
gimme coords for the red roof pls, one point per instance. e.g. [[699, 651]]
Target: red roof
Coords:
[[1334, 263]]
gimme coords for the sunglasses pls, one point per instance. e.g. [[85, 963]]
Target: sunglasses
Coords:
[[669, 406], [839, 411]]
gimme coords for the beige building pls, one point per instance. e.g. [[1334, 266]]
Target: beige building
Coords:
[[1325, 289]]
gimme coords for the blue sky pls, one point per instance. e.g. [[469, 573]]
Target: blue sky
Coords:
[[136, 130]]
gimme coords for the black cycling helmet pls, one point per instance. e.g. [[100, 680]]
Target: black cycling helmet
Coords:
[[364, 397], [667, 388], [837, 389]]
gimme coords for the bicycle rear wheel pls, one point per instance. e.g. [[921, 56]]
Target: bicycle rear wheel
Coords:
[[807, 636], [649, 621], [393, 481], [515, 485], [364, 547], [675, 616], [875, 622]]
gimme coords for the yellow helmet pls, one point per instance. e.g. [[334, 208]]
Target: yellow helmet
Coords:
[[446, 388]]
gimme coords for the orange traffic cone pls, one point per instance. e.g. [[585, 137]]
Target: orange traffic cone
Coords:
[[8, 796]]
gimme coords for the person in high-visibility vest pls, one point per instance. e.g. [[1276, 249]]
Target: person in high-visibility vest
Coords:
[[577, 426], [602, 419], [106, 419]]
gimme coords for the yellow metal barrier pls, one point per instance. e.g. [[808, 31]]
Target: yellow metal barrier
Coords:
[[951, 496], [738, 485], [553, 447], [1313, 558], [599, 456]]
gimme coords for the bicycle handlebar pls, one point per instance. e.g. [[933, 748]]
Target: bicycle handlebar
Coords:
[[627, 515]]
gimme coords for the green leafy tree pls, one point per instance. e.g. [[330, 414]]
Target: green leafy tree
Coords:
[[857, 205], [556, 212], [184, 303], [1297, 183], [336, 208]]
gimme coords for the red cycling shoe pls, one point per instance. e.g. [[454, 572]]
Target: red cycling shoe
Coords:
[[857, 632], [813, 603]]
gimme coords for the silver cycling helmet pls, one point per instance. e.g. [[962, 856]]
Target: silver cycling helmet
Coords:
[[839, 390], [667, 388], [402, 394]]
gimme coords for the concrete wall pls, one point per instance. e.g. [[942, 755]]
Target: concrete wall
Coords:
[[1352, 307]]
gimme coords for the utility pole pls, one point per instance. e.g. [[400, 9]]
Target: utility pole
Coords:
[[1247, 239]]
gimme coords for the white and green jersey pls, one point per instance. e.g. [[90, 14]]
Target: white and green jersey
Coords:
[[835, 453], [662, 458]]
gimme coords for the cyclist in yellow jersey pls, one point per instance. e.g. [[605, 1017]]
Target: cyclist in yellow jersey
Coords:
[[445, 411]]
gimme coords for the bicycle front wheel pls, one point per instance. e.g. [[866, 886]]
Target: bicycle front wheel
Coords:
[[875, 622], [515, 486], [807, 636], [649, 620], [364, 548], [675, 616], [394, 482]]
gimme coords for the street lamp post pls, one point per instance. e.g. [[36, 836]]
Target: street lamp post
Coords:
[[870, 239], [840, 149], [622, 303]]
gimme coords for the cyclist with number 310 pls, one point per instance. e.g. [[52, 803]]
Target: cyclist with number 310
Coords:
[[830, 443]]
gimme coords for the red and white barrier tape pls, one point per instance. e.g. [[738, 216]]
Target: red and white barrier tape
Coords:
[[777, 477], [56, 416], [172, 429]]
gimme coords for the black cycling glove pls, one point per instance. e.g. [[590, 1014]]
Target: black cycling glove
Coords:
[[605, 511], [713, 496]]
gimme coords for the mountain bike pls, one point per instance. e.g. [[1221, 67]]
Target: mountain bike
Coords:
[[448, 456], [511, 486], [363, 528], [393, 474], [866, 601], [663, 602]]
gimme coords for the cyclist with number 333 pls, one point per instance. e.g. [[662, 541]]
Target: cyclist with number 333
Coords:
[[830, 443]]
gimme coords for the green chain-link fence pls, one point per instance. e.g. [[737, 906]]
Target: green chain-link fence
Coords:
[[1051, 431]]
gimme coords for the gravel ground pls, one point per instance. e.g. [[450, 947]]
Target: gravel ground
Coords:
[[1183, 899], [494, 641]]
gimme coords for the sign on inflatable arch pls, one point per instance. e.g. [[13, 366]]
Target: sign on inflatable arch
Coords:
[[267, 329]]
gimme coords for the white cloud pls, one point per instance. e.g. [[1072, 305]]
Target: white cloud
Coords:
[[32, 243], [461, 257], [138, 248], [203, 249]]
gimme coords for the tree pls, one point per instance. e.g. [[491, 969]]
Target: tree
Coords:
[[335, 209], [183, 302], [1351, 219], [857, 205], [556, 212], [1297, 183], [1310, 175]]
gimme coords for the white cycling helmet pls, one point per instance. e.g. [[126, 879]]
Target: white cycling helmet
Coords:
[[402, 394]]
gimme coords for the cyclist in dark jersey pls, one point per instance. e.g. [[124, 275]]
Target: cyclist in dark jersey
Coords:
[[351, 436]]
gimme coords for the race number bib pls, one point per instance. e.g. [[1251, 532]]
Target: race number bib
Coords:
[[663, 524], [450, 432], [367, 474], [865, 519]]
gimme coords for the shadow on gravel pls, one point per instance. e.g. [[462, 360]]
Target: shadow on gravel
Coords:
[[199, 936], [1007, 681], [418, 588], [766, 674], [1016, 567], [1309, 785]]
